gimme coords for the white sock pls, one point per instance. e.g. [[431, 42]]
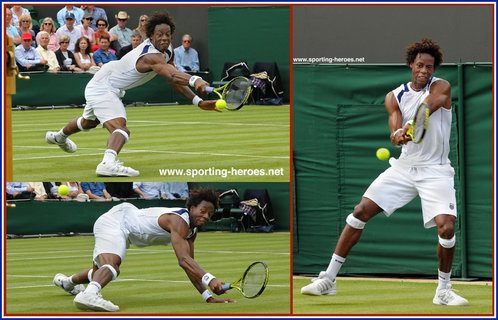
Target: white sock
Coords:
[[109, 156], [93, 288], [70, 279], [60, 136], [334, 266], [444, 279]]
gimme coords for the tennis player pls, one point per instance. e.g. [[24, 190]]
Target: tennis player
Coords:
[[104, 92], [125, 224], [422, 169]]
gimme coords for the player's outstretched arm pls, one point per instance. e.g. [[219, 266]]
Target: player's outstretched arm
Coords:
[[189, 94], [179, 231], [156, 63], [439, 96], [398, 132]]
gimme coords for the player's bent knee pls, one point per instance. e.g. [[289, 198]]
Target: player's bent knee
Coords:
[[83, 124], [447, 243], [114, 272], [355, 222], [125, 134], [90, 273]]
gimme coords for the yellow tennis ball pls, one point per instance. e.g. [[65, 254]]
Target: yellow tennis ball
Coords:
[[383, 154], [221, 104], [63, 190]]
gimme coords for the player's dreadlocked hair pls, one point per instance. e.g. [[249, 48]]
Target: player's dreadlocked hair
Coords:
[[207, 194], [159, 18], [425, 46]]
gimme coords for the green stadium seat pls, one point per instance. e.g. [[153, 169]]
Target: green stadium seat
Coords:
[[32, 11]]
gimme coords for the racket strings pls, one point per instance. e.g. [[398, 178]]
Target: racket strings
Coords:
[[254, 280], [236, 93], [420, 123]]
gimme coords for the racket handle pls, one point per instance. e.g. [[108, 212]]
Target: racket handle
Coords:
[[209, 89], [226, 287]]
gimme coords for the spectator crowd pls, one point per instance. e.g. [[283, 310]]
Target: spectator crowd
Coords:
[[98, 191], [80, 39]]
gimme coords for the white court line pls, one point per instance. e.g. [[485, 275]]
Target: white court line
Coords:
[[130, 123], [140, 251], [117, 280], [140, 151]]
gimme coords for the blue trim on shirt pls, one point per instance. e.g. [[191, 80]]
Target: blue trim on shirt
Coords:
[[181, 211], [400, 94], [146, 49]]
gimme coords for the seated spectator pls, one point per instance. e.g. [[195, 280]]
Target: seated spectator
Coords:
[[136, 39], [174, 190], [17, 12], [38, 190], [96, 191], [101, 30], [83, 54], [75, 11], [96, 12], [27, 27], [121, 190], [49, 26], [52, 190], [75, 192], [65, 58], [18, 190], [10, 29], [27, 57], [42, 49], [186, 58], [70, 30], [141, 26], [148, 190], [85, 29], [120, 32], [103, 55]]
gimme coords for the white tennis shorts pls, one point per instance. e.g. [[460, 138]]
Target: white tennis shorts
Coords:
[[401, 183], [103, 102], [109, 237]]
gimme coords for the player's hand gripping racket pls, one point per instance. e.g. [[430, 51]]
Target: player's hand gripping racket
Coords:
[[253, 281], [419, 125], [235, 92]]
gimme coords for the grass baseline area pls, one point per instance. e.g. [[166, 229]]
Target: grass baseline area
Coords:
[[174, 142], [151, 282], [375, 296]]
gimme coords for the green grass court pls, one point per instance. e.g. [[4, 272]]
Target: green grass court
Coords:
[[393, 297], [254, 141], [151, 282]]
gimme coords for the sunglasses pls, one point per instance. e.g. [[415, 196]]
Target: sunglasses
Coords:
[[122, 19], [47, 23], [188, 41], [64, 42], [101, 25], [88, 19], [142, 20]]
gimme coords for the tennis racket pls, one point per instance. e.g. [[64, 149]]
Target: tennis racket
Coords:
[[419, 125], [253, 282], [235, 92]]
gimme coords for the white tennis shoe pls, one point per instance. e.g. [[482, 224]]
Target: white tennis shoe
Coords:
[[448, 297], [115, 169], [322, 285], [95, 302], [67, 146], [62, 281]]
